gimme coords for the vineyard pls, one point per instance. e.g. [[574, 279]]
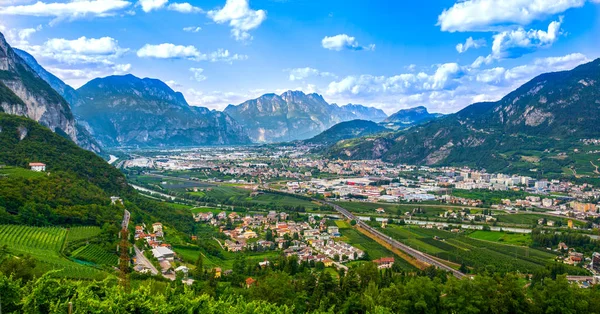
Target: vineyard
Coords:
[[95, 254], [44, 244], [77, 234], [476, 254]]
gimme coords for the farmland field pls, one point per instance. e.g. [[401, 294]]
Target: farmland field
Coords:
[[475, 253], [82, 233], [521, 239], [19, 172], [361, 241], [95, 254], [530, 219], [44, 244]]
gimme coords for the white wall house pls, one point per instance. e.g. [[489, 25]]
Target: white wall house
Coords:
[[37, 166]]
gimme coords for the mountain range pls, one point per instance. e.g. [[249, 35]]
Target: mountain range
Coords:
[[295, 115], [130, 111], [409, 117], [549, 114]]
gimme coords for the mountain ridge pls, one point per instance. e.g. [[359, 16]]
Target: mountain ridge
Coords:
[[124, 110], [552, 111], [294, 115]]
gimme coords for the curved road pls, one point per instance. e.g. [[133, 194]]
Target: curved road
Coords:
[[396, 244]]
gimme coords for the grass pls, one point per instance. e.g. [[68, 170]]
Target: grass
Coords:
[[191, 253], [531, 219], [366, 244], [520, 239], [44, 244], [478, 254], [20, 172], [96, 254], [77, 234]]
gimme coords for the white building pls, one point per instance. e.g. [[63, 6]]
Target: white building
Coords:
[[37, 166]]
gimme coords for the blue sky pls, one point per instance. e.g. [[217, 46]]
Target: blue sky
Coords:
[[392, 55]]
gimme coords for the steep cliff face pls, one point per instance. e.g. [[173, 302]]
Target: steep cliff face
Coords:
[[129, 111], [294, 115], [38, 100], [83, 137]]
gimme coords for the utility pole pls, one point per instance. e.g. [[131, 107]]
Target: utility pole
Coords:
[[124, 253]]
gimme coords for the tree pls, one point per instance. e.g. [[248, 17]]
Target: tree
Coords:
[[199, 271]]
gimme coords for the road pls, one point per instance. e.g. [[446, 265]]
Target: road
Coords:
[[141, 259], [396, 244]]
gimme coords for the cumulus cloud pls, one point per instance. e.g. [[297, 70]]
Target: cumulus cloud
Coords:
[[448, 88], [470, 43], [82, 50], [19, 37], [150, 5], [299, 74], [67, 10], [197, 74], [240, 16], [487, 15], [192, 29], [516, 43], [218, 99], [184, 8], [172, 51], [343, 42]]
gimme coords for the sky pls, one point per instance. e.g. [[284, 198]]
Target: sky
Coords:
[[441, 54]]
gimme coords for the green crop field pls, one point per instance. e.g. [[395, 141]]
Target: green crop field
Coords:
[[44, 244], [96, 254], [361, 241], [77, 234], [521, 239], [530, 219], [480, 253], [191, 253], [20, 172]]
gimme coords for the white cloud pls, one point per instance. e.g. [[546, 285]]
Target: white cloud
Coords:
[[79, 51], [447, 89], [515, 43], [219, 100], [192, 29], [342, 42], [171, 51], [470, 43], [67, 10], [299, 74], [19, 37], [197, 74], [487, 15], [184, 8], [241, 18], [150, 5]]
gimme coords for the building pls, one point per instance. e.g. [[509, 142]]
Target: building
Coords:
[[163, 253], [157, 227], [37, 166], [250, 282], [384, 262]]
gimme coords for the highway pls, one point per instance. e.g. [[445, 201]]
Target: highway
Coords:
[[396, 244], [141, 259]]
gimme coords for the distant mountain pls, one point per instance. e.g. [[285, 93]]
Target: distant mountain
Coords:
[[352, 111], [130, 111], [25, 93], [544, 118], [412, 116], [346, 130], [294, 115], [84, 138]]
